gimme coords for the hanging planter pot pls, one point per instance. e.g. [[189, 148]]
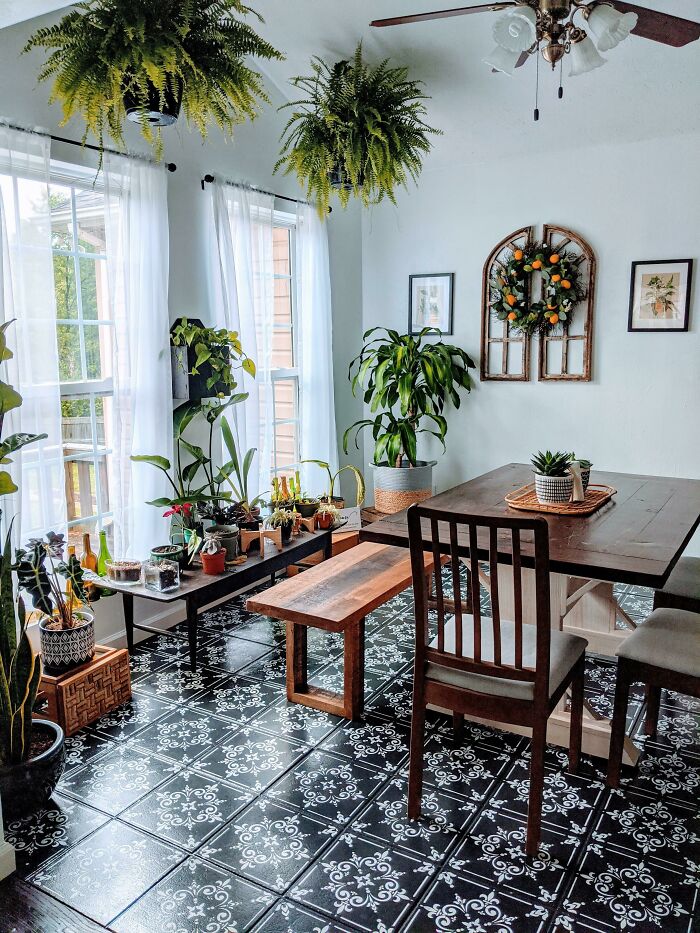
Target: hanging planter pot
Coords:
[[340, 180], [157, 110]]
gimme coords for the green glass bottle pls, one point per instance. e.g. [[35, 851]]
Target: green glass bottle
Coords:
[[103, 555]]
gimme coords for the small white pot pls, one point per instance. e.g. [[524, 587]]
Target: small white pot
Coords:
[[552, 490]]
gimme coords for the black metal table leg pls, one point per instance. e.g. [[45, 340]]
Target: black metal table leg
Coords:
[[128, 603], [192, 632]]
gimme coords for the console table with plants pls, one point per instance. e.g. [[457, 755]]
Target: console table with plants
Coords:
[[198, 589]]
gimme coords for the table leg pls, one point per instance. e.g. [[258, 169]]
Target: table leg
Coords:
[[354, 669], [296, 659], [128, 603], [328, 547], [192, 632]]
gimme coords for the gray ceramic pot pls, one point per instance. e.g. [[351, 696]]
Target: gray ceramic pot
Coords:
[[396, 488], [63, 649], [228, 536]]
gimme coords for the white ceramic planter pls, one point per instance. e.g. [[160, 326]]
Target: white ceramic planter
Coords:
[[63, 649], [553, 490]]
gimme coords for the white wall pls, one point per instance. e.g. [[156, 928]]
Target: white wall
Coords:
[[635, 201]]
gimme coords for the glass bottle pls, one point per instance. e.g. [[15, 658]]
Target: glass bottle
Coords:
[[103, 555], [88, 559]]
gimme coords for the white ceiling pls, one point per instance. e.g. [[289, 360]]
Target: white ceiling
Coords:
[[16, 11], [646, 89]]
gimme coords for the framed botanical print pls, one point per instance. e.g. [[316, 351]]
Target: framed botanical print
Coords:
[[660, 295], [430, 302]]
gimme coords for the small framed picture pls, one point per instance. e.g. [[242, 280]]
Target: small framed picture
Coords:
[[430, 302], [660, 295]]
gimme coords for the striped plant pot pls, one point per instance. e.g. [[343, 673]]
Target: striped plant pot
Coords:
[[553, 489], [63, 649], [585, 479], [396, 488]]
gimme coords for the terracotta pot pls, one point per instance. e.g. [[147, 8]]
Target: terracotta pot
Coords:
[[324, 520], [27, 786], [64, 649], [214, 564]]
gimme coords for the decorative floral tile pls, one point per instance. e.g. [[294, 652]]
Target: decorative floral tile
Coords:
[[394, 702], [196, 897], [144, 661], [262, 629], [460, 905], [252, 758], [187, 809], [374, 743], [295, 721], [176, 683], [324, 644], [363, 883], [83, 747], [174, 644], [184, 735], [114, 781], [332, 677], [238, 698], [388, 657], [130, 718], [288, 917], [272, 668], [328, 787], [668, 774], [468, 770], [679, 730], [54, 828], [229, 654], [443, 816], [399, 629], [105, 873], [269, 843]]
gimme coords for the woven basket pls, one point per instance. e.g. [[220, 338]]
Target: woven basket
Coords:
[[552, 489], [395, 488]]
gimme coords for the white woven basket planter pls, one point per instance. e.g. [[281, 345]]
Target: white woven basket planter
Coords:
[[553, 489]]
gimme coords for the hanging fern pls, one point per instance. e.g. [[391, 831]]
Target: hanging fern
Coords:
[[106, 48], [359, 130]]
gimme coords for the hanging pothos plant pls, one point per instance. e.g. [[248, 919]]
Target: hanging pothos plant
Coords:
[[111, 57], [562, 288], [359, 130]]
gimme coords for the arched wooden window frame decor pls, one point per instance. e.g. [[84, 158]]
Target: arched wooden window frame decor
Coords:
[[499, 362]]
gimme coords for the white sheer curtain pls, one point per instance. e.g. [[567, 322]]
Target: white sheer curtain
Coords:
[[137, 261], [244, 298], [27, 295], [318, 439]]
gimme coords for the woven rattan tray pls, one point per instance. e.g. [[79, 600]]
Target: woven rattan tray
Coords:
[[526, 500]]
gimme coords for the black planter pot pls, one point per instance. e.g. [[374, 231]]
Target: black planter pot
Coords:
[[287, 532], [186, 386], [154, 113], [26, 787]]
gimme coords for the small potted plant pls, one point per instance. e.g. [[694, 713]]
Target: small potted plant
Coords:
[[326, 516], [307, 506], [553, 481], [330, 496], [67, 625], [171, 552], [213, 555], [585, 466], [284, 519]]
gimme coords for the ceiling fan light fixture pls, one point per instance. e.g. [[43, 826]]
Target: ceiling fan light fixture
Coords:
[[608, 26], [502, 60], [584, 57], [516, 30]]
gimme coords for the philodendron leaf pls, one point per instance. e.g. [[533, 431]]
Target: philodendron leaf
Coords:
[[249, 367], [7, 484], [16, 442], [9, 398], [161, 462]]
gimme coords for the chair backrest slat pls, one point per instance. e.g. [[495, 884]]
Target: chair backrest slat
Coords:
[[493, 583], [439, 595], [517, 596], [456, 589], [476, 592]]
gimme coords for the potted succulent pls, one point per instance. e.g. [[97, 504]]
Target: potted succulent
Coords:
[[284, 519], [585, 466], [115, 58], [407, 381], [553, 481], [171, 552], [56, 589], [330, 496], [358, 130], [213, 556], [32, 751]]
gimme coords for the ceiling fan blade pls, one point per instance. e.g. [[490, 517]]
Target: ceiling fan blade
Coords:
[[660, 27], [520, 62], [443, 14]]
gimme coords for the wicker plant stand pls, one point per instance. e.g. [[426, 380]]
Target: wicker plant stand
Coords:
[[81, 696]]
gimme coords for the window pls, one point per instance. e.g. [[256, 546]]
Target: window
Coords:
[[285, 375], [85, 334]]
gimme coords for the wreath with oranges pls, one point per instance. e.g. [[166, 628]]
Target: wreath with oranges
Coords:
[[562, 288]]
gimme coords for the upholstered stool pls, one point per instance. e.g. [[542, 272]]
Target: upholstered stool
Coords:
[[682, 589]]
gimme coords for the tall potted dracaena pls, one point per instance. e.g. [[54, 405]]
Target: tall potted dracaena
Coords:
[[407, 381], [31, 751]]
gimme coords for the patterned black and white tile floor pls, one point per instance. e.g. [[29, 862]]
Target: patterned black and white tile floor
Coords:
[[210, 804]]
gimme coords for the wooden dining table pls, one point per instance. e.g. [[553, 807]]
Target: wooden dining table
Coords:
[[635, 538]]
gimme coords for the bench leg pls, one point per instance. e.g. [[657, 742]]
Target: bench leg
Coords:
[[296, 659], [354, 670]]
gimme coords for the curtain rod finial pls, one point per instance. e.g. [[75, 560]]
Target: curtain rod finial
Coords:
[[171, 167]]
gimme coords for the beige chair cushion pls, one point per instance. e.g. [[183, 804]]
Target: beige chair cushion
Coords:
[[669, 639], [684, 580], [565, 650]]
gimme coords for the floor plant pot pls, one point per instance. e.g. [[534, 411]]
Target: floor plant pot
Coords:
[[395, 488], [553, 490], [63, 649], [25, 787], [155, 113], [228, 536], [214, 564]]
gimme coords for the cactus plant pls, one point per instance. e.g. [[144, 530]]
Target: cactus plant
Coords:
[[551, 464]]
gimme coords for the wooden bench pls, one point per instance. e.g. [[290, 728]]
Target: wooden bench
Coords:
[[335, 596]]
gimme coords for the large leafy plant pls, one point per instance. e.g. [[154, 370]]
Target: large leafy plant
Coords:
[[20, 668], [406, 381], [59, 601], [103, 49], [217, 348], [358, 130]]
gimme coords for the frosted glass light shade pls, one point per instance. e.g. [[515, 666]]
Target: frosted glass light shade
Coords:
[[609, 27], [584, 58], [517, 30], [502, 60]]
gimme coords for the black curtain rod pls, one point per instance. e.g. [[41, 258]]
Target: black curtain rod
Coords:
[[208, 179], [171, 167]]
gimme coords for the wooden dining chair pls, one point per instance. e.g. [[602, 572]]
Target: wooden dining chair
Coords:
[[662, 653], [491, 667]]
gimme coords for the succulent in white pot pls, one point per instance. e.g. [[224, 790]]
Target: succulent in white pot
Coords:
[[553, 482]]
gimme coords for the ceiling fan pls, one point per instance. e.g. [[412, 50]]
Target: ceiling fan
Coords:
[[560, 27]]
